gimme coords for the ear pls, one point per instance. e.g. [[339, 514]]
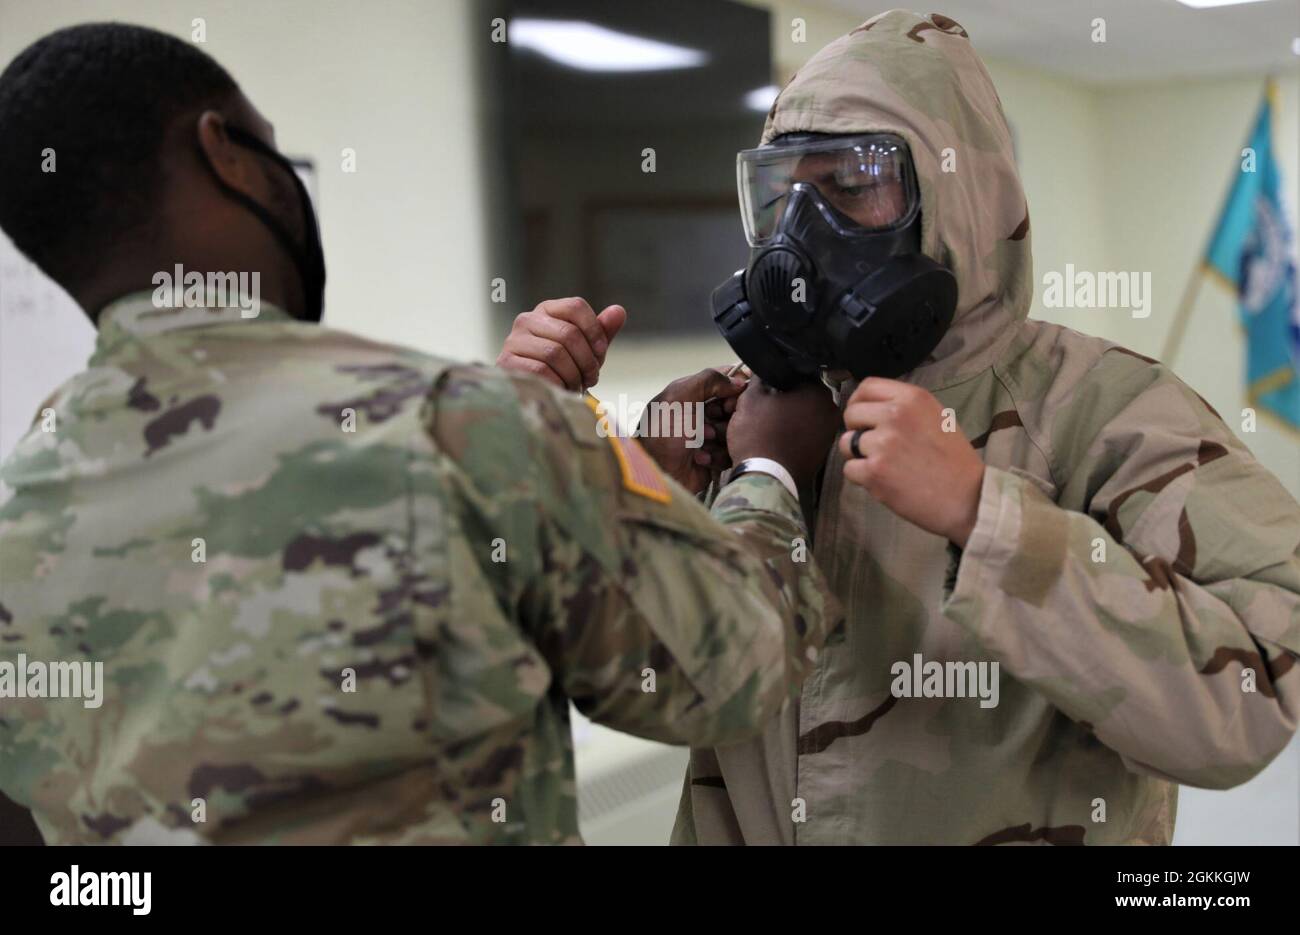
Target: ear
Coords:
[[233, 164]]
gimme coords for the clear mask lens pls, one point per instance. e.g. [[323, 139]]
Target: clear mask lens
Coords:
[[867, 180]]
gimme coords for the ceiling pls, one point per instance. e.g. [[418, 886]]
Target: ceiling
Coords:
[[1145, 39], [734, 38]]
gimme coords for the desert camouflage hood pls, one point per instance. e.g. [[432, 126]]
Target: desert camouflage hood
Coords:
[[919, 77]]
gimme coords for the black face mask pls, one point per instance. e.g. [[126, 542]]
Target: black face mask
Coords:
[[308, 257], [816, 297]]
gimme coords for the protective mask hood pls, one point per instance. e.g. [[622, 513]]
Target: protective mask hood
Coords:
[[919, 78]]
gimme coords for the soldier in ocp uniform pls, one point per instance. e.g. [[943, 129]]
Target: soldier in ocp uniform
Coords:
[[342, 591]]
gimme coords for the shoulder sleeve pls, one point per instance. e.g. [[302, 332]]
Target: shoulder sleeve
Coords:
[[656, 617]]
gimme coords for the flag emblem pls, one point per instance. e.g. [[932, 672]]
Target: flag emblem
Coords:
[[640, 473], [1251, 252]]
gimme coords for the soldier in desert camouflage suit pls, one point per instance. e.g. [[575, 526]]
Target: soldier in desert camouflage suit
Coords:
[[1127, 564], [1119, 677], [343, 592]]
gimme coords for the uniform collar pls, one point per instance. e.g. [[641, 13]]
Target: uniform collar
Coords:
[[137, 315]]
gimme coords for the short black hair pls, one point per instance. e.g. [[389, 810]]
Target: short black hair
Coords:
[[101, 96]]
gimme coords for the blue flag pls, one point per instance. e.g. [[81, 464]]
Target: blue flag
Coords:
[[1251, 250]]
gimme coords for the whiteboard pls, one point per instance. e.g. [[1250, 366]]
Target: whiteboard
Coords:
[[45, 338]]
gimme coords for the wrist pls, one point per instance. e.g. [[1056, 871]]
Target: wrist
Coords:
[[960, 534]]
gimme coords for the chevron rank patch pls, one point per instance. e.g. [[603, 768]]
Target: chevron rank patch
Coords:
[[640, 473]]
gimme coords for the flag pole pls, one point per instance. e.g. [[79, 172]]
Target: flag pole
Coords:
[[1175, 337]]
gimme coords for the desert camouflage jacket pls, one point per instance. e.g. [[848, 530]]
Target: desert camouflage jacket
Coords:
[[340, 591], [1133, 572]]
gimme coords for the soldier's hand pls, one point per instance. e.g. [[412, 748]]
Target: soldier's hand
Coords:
[[914, 459], [691, 457], [795, 428], [562, 341]]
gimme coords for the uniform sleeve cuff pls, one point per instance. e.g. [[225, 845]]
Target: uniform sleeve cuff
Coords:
[[989, 548], [768, 466], [756, 491], [1017, 549]]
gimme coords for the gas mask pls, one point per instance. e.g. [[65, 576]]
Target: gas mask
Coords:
[[836, 279]]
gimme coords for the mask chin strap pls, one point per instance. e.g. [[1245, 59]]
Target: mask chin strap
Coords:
[[309, 260]]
